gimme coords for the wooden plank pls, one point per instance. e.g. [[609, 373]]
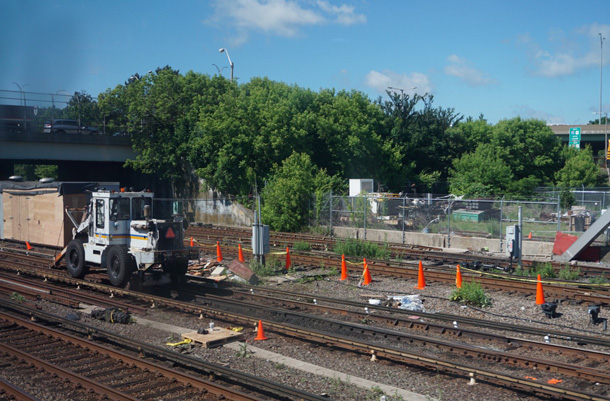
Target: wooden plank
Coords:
[[214, 338]]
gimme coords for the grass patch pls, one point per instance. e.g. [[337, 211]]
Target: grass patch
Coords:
[[568, 273], [598, 280], [15, 296], [272, 267], [544, 269], [471, 294], [301, 246], [364, 249], [244, 352]]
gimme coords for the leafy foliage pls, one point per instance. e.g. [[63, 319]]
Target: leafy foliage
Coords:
[[288, 193], [514, 158], [295, 142], [580, 169], [362, 249], [471, 294]]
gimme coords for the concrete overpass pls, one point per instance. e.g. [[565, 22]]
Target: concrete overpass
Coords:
[[78, 157], [594, 135]]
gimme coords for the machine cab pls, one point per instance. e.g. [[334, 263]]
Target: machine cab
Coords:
[[113, 213]]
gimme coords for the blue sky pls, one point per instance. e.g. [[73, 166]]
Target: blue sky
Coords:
[[534, 59]]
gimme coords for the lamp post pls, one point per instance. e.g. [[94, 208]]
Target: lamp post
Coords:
[[25, 127], [601, 64], [223, 50], [605, 131], [53, 102]]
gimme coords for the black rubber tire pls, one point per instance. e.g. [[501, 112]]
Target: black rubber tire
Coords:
[[75, 259], [176, 268], [120, 266]]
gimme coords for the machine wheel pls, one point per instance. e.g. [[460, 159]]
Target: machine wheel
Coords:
[[120, 266], [75, 259], [178, 271]]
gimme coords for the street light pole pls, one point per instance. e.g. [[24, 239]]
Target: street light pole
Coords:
[[223, 50], [601, 64], [25, 127]]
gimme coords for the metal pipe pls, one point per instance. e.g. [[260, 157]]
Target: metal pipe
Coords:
[[520, 236]]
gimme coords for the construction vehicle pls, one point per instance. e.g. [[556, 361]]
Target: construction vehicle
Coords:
[[117, 231]]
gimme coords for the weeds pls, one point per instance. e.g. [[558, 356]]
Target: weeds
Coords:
[[567, 273], [244, 352], [358, 248], [15, 296], [273, 267], [301, 246], [471, 294], [545, 270], [598, 280]]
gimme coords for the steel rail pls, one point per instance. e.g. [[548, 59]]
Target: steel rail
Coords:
[[148, 350]]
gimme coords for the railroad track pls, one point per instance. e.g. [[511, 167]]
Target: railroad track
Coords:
[[223, 309], [99, 369], [229, 237], [125, 375]]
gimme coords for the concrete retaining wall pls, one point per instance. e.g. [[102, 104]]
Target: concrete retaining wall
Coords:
[[212, 208], [492, 245]]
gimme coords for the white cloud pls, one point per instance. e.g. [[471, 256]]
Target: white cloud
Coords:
[[569, 56], [460, 68], [527, 112], [283, 18], [414, 83], [343, 14]]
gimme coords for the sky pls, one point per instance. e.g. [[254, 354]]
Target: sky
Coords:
[[500, 59]]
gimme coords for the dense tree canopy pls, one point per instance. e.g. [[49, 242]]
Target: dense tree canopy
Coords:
[[237, 137], [511, 158]]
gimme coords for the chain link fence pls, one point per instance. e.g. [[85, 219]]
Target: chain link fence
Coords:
[[219, 210], [450, 215]]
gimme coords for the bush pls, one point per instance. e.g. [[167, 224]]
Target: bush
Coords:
[[301, 246], [272, 267], [471, 294], [364, 249], [567, 273], [545, 270], [598, 280]]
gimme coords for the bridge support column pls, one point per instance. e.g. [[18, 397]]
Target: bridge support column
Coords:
[[7, 168]]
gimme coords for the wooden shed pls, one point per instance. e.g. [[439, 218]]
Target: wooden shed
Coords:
[[35, 212]]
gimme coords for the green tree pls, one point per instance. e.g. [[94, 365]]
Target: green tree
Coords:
[[516, 157], [84, 108], [580, 169], [160, 111], [480, 173], [419, 132], [287, 195]]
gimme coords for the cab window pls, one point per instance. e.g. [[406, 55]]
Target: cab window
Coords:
[[138, 207], [99, 213], [119, 209]]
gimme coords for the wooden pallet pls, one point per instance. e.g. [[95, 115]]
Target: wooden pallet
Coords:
[[214, 338]]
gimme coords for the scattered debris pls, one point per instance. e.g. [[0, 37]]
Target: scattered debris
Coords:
[[407, 302], [112, 315]]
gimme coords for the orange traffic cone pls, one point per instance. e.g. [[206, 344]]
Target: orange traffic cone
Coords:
[[240, 253], [218, 252], [366, 274], [260, 334], [343, 268], [28, 246], [288, 262], [458, 277], [529, 236], [539, 292], [421, 281], [191, 242]]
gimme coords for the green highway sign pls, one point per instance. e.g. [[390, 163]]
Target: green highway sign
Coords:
[[575, 137]]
